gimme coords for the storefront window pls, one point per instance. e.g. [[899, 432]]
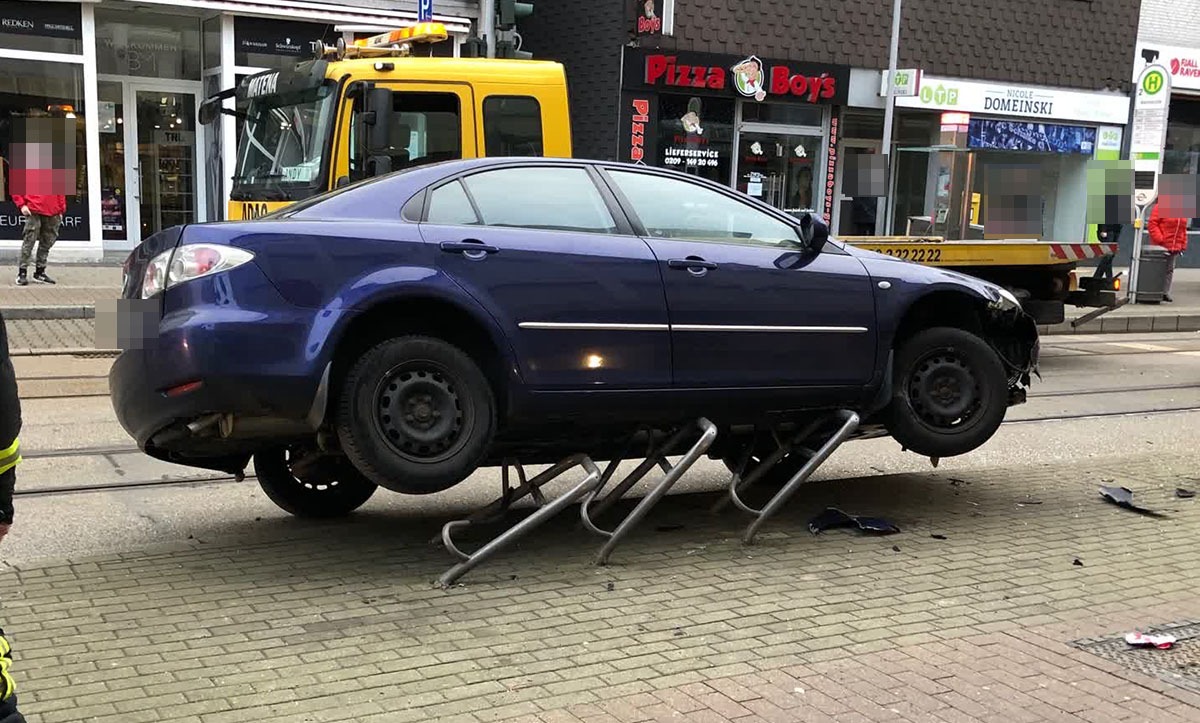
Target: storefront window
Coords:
[[147, 45], [914, 185], [33, 92], [695, 135], [112, 162], [792, 114], [41, 26], [1183, 141], [212, 43], [779, 168]]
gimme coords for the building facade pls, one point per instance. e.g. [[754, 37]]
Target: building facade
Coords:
[[785, 101], [1169, 34], [126, 79]]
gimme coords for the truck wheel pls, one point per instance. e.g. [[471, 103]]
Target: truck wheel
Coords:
[[416, 415], [950, 393], [333, 489]]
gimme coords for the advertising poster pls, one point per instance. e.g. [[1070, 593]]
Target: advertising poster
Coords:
[[1030, 137]]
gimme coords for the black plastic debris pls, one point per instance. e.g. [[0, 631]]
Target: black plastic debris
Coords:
[[1123, 497], [1184, 494], [895, 548], [610, 587], [833, 518], [1078, 562], [938, 537]]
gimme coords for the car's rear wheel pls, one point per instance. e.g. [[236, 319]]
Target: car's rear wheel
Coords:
[[416, 415], [319, 487], [950, 393], [777, 476]]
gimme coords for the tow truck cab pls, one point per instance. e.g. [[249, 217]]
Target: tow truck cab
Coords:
[[362, 110]]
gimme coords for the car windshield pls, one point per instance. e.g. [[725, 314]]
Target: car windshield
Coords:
[[282, 144]]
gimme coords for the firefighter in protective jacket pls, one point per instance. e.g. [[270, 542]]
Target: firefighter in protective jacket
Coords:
[[10, 455]]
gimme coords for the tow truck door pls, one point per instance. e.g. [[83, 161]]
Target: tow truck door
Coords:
[[430, 123]]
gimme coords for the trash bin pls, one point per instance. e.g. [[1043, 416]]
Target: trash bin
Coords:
[[1152, 275]]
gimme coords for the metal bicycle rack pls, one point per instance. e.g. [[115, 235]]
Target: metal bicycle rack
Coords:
[[510, 495], [655, 456], [592, 504], [849, 422]]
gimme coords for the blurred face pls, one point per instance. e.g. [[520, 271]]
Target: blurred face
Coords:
[[43, 157]]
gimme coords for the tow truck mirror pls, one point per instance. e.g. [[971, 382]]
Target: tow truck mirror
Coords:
[[813, 233], [209, 112], [375, 131]]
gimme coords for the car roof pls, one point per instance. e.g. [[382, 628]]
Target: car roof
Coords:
[[382, 191]]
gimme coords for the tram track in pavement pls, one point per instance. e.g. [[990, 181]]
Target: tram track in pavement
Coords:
[[206, 480], [104, 450]]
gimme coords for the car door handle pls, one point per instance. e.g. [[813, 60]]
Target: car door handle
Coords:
[[691, 263], [470, 248]]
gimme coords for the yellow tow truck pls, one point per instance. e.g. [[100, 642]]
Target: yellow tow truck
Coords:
[[370, 107]]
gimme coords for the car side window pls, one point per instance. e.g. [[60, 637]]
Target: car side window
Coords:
[[449, 205], [671, 208], [557, 199]]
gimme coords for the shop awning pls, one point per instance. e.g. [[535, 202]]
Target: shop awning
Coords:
[[338, 15]]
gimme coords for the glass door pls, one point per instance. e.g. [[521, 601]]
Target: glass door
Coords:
[[860, 207], [166, 173], [779, 168], [151, 174]]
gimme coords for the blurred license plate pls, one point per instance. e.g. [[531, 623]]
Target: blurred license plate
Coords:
[[126, 323]]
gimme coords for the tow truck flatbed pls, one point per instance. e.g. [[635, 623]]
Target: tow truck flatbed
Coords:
[[937, 251]]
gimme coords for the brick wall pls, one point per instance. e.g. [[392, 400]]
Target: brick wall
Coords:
[[585, 36], [1170, 22]]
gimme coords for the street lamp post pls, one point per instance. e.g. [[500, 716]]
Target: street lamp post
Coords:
[[889, 111]]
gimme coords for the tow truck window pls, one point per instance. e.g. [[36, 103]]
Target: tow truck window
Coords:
[[281, 147], [426, 128], [512, 126]]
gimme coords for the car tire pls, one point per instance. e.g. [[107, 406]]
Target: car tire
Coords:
[[339, 493], [950, 393], [416, 415]]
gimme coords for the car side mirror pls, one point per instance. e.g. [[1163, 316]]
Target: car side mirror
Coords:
[[813, 233]]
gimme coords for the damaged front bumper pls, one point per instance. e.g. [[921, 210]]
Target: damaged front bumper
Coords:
[[1013, 334]]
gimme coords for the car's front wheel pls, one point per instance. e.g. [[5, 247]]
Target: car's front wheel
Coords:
[[311, 487], [950, 392], [416, 415]]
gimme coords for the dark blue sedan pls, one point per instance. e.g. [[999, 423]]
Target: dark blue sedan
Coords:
[[406, 330]]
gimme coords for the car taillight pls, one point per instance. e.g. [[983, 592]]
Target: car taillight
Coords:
[[186, 263]]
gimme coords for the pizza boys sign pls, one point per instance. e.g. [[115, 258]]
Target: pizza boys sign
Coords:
[[748, 76]]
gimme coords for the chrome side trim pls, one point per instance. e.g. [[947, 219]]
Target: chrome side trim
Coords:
[[587, 326], [772, 329], [583, 326]]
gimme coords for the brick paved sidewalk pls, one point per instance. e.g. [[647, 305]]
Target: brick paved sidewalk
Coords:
[[75, 292], [281, 620]]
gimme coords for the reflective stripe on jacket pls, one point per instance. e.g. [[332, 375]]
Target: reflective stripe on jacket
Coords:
[[10, 457]]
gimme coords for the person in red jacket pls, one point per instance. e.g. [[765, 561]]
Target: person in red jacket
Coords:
[[1171, 234], [43, 217]]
